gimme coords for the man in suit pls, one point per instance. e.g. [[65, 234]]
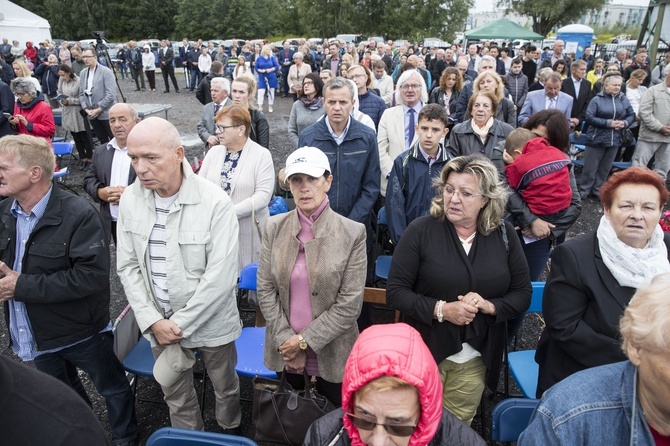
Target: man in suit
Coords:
[[110, 170], [183, 60], [440, 65], [396, 128], [580, 90], [135, 55], [165, 57], [220, 90], [333, 61], [97, 94], [550, 97], [285, 61]]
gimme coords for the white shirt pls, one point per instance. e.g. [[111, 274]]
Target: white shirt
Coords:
[[204, 63], [158, 252], [120, 171]]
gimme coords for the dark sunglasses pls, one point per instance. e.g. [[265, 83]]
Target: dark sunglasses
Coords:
[[399, 430]]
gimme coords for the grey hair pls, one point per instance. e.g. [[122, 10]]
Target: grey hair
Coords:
[[608, 79], [544, 73], [645, 323], [403, 78], [223, 82], [553, 76], [22, 85], [339, 82], [490, 187], [488, 58], [621, 51], [666, 70], [577, 64]]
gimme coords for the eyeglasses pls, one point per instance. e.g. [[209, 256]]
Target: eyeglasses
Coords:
[[87, 57], [463, 194], [356, 76], [222, 128], [307, 83], [399, 430], [410, 86]]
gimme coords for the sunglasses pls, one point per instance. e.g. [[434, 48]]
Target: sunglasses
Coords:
[[399, 430]]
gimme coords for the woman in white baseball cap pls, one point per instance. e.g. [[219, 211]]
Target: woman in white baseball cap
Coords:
[[311, 279]]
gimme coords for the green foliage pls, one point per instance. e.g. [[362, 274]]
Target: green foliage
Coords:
[[123, 20], [549, 14]]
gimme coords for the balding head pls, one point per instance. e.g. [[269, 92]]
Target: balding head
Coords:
[[558, 47], [122, 118], [156, 153]]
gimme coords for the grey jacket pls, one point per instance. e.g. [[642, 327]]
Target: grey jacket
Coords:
[[206, 126], [301, 118], [464, 141], [654, 113], [103, 92], [336, 266]]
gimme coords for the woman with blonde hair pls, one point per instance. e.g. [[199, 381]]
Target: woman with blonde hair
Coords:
[[243, 93], [241, 68], [21, 70], [490, 81], [267, 67]]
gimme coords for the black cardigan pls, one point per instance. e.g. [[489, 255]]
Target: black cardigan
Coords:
[[430, 264]]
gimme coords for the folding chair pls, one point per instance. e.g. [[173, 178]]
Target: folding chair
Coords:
[[246, 283], [250, 348], [171, 436], [510, 417], [63, 152], [522, 364]]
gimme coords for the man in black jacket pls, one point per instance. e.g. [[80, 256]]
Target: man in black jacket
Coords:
[[165, 57], [203, 93], [54, 283], [580, 89]]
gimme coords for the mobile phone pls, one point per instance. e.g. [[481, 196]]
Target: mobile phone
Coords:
[[7, 115]]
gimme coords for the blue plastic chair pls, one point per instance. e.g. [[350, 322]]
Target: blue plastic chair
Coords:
[[248, 277], [171, 436], [383, 262], [522, 364], [250, 347], [63, 151], [510, 417]]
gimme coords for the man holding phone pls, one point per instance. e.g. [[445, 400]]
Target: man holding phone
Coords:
[[7, 106]]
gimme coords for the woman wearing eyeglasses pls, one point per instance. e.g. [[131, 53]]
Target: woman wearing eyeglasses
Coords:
[[308, 109], [457, 276], [245, 171], [391, 395]]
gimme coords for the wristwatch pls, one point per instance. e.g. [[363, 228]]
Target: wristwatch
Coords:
[[301, 342]]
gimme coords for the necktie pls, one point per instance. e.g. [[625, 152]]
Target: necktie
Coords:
[[216, 108], [552, 103], [411, 126]]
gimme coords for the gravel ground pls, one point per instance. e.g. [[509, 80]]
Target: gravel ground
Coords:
[[185, 114]]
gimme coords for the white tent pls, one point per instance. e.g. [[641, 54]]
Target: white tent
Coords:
[[17, 23]]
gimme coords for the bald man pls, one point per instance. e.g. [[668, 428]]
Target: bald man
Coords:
[[110, 170], [177, 260]]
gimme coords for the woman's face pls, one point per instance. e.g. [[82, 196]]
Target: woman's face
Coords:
[[17, 70], [488, 84], [482, 110], [239, 94], [541, 131], [559, 68], [462, 200], [634, 214], [308, 88], [451, 81], [25, 98], [635, 82], [613, 86], [64, 75], [309, 192], [228, 134], [599, 67], [325, 77], [392, 406]]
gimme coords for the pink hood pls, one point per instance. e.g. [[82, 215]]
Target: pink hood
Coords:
[[394, 350]]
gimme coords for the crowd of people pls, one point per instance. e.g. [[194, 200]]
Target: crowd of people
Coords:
[[467, 153]]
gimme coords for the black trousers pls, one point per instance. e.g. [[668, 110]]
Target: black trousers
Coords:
[[102, 130], [82, 144], [169, 71]]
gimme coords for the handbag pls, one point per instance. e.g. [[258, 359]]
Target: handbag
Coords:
[[627, 138], [282, 414]]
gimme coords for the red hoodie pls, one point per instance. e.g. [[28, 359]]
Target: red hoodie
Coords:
[[30, 52], [541, 173], [395, 350]]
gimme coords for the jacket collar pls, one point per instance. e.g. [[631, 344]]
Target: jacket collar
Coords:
[[189, 192]]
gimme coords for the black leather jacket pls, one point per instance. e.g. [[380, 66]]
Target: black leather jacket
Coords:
[[64, 281]]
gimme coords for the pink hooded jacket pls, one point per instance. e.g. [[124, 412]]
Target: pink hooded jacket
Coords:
[[394, 350]]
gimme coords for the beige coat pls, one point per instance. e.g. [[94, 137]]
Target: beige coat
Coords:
[[654, 113], [72, 119], [336, 266]]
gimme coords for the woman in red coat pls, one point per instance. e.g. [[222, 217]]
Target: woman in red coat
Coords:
[[32, 116]]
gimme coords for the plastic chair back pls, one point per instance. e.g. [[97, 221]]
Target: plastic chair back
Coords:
[[62, 148], [170, 436], [381, 217], [248, 277], [536, 298], [250, 348], [510, 417]]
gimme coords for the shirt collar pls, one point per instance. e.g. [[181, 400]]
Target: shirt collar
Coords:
[[113, 144], [37, 210], [330, 129], [427, 157]]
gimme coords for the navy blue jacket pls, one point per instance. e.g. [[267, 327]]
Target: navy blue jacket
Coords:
[[355, 167], [410, 188], [602, 110], [372, 105], [49, 79]]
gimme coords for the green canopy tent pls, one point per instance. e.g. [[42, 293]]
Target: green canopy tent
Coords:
[[502, 29]]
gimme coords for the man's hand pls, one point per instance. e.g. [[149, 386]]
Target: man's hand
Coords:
[[212, 141], [539, 229], [111, 194], [574, 122], [166, 332], [665, 130], [7, 282]]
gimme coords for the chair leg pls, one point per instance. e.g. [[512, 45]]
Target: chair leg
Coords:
[[203, 391]]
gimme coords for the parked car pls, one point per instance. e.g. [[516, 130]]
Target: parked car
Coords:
[[348, 38]]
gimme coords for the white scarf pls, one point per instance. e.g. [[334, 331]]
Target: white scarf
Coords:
[[632, 267], [482, 132]]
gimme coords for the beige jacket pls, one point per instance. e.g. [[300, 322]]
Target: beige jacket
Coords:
[[654, 113], [336, 265]]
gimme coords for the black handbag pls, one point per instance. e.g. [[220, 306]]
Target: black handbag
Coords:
[[627, 138], [282, 414]]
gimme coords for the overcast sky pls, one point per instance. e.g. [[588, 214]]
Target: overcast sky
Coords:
[[488, 5]]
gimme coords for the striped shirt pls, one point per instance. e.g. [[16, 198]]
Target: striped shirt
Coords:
[[158, 252]]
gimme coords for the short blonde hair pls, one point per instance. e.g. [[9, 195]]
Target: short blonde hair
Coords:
[[29, 151], [384, 383], [490, 186], [645, 323], [266, 51], [500, 89]]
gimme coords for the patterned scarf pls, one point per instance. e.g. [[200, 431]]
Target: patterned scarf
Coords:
[[313, 104]]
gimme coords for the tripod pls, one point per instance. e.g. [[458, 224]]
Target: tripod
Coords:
[[101, 51]]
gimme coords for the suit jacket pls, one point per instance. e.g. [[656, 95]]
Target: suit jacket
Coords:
[[336, 265], [167, 58], [283, 55], [103, 92], [99, 175], [580, 103], [582, 306], [536, 101], [206, 126], [391, 140]]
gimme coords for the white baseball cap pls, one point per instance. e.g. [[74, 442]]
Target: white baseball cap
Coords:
[[172, 362], [308, 160]]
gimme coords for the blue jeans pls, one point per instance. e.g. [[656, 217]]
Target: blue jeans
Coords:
[[96, 357], [196, 77]]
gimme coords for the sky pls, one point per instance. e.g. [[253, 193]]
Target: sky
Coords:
[[489, 5]]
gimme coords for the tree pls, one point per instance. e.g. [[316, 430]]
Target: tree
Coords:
[[548, 14]]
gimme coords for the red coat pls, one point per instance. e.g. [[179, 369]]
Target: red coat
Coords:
[[541, 173], [39, 116], [30, 52]]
